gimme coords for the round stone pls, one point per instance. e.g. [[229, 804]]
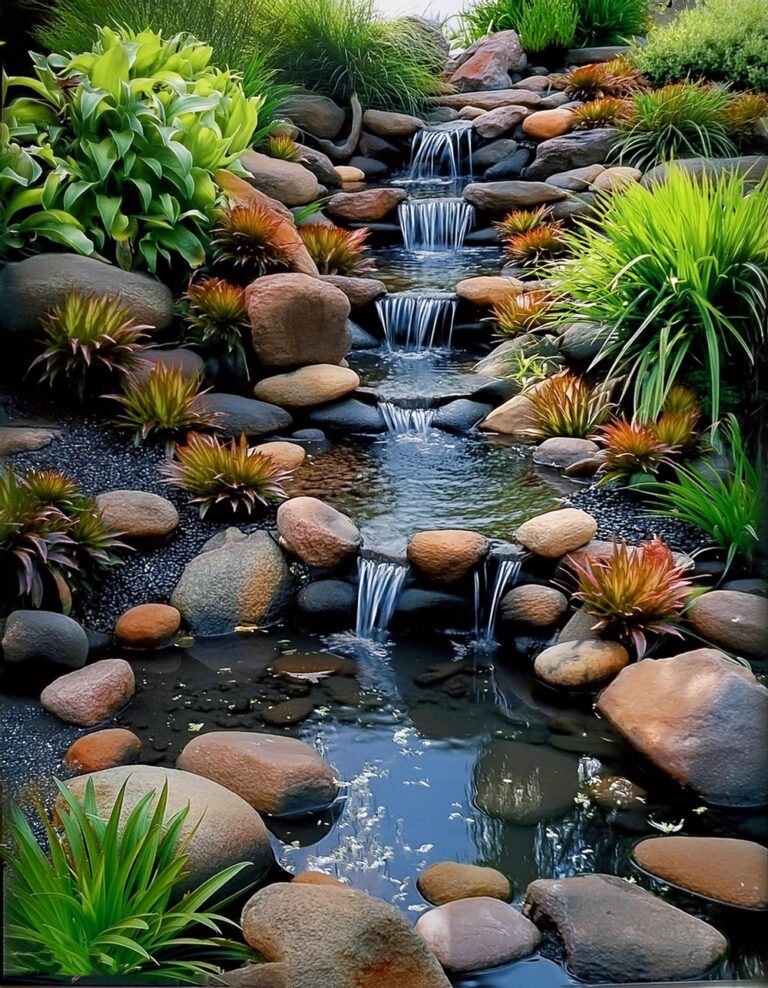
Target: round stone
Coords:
[[447, 555], [580, 663], [289, 456], [555, 533], [447, 881], [138, 514], [147, 625], [487, 290], [89, 695], [533, 604], [736, 621], [307, 386], [312, 668], [44, 636], [103, 749], [317, 533]]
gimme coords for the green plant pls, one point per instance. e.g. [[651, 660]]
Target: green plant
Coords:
[[600, 79], [524, 313], [548, 24], [526, 369], [566, 405], [521, 221], [634, 591], [106, 899], [216, 314], [282, 147], [729, 508], [165, 403], [677, 429], [630, 448], [679, 272], [604, 112], [546, 241], [247, 237], [721, 40], [336, 250], [744, 110], [611, 22], [230, 474]]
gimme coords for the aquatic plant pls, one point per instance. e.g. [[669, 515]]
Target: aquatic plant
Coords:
[[336, 250], [606, 111], [545, 241], [521, 221], [247, 237], [216, 314], [522, 313], [635, 591], [229, 474], [567, 405], [630, 448]]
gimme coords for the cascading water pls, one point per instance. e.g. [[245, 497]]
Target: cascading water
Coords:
[[507, 572], [416, 322], [379, 587], [406, 421], [435, 224], [441, 151]]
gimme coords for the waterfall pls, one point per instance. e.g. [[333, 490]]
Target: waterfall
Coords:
[[435, 224], [380, 583], [406, 421], [439, 151], [507, 572], [416, 322]]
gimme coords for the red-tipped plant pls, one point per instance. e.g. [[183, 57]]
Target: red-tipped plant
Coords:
[[615, 78], [745, 109], [677, 430], [567, 405], [216, 314], [521, 221], [336, 250], [248, 237], [631, 448], [603, 112], [523, 313], [546, 241]]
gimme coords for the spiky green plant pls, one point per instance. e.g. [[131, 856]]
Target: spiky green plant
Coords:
[[548, 25], [52, 488], [606, 111], [567, 405], [216, 314], [546, 241], [524, 313], [230, 474], [247, 237], [283, 147], [97, 547], [631, 448], [521, 221], [677, 430], [611, 22], [336, 250], [106, 898]]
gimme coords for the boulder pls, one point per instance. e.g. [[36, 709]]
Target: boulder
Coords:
[[297, 319], [328, 604], [448, 555], [494, 123], [545, 124], [581, 663], [555, 533], [730, 871], [317, 115], [460, 415], [367, 206], [238, 415], [574, 150], [317, 533], [44, 636], [576, 179], [581, 342], [733, 620], [524, 784], [491, 154], [103, 749], [470, 112], [21, 439], [384, 123], [306, 387], [222, 828], [753, 167], [373, 147], [490, 99], [138, 514], [147, 626], [287, 181], [359, 291], [488, 62], [510, 167], [487, 290], [90, 695], [447, 881], [611, 931], [561, 451], [321, 167], [700, 718], [337, 938], [478, 933], [500, 197], [533, 604], [513, 418], [289, 456], [177, 358], [239, 580], [274, 774], [616, 179], [348, 416], [32, 287]]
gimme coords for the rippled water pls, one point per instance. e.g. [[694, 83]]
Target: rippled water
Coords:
[[402, 269]]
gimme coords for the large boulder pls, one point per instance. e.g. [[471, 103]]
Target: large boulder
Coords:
[[447, 555], [287, 181], [699, 717], [500, 197], [222, 828], [338, 938], [237, 579], [733, 620], [317, 115], [524, 784], [555, 533], [367, 206], [103, 749], [514, 418], [447, 881], [608, 930], [297, 319], [274, 774], [317, 533], [384, 123], [236, 414], [89, 695], [494, 123], [488, 62], [138, 514], [44, 636], [30, 288], [575, 150], [307, 386], [580, 664]]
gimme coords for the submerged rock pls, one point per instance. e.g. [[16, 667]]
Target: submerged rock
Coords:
[[447, 881], [524, 783]]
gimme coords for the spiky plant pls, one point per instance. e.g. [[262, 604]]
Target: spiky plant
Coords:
[[88, 338], [521, 221], [227, 474], [588, 82], [634, 591], [606, 111], [335, 250], [630, 448], [523, 313], [216, 314], [567, 405], [165, 403], [625, 77], [52, 488], [247, 237], [677, 430], [283, 147], [744, 110], [681, 399], [96, 544], [546, 241]]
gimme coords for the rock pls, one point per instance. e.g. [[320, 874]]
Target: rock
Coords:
[[533, 604], [289, 456], [612, 931], [297, 319], [359, 291], [524, 784], [576, 179], [513, 418], [372, 147], [581, 663], [443, 114], [313, 667], [510, 167], [470, 112], [387, 124], [366, 206], [555, 533], [581, 342], [32, 287], [700, 718], [494, 152], [577, 207], [447, 881], [494, 123], [317, 533], [460, 415], [138, 514], [361, 339], [545, 124], [735, 621], [328, 604], [287, 181], [447, 555], [587, 467], [90, 695], [730, 871], [274, 774], [350, 415], [371, 169], [490, 99], [473, 934], [487, 290], [318, 878], [20, 439], [575, 150], [553, 101], [147, 626], [500, 197], [753, 167], [488, 62], [103, 749], [221, 827], [347, 173], [288, 712], [44, 636], [180, 358], [316, 384], [579, 627], [241, 580], [616, 179], [337, 938], [317, 115], [561, 451], [614, 792], [587, 56], [321, 167], [753, 585], [237, 415]]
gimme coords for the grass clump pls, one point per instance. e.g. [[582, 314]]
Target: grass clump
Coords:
[[607, 111], [630, 448], [567, 405], [336, 250], [542, 243], [246, 238], [521, 221], [283, 147], [216, 314], [601, 79], [523, 313]]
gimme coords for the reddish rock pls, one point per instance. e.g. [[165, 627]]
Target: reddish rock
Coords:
[[447, 555], [147, 625], [736, 621], [364, 207], [89, 695], [317, 533], [447, 881], [548, 123], [494, 123], [318, 878], [103, 749]]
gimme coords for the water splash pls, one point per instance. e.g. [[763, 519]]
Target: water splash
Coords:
[[380, 584], [507, 572], [406, 421], [435, 224], [440, 151], [416, 322]]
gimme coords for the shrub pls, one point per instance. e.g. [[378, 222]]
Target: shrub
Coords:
[[546, 241], [744, 110], [229, 474], [247, 237], [524, 313], [216, 314], [521, 221], [636, 590], [604, 112], [600, 79], [720, 40], [630, 448], [105, 899], [566, 405], [336, 250], [88, 338], [282, 147], [679, 272], [611, 22]]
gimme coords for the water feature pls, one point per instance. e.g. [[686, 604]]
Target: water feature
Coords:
[[507, 573], [380, 582], [416, 322], [442, 150], [404, 421], [435, 224]]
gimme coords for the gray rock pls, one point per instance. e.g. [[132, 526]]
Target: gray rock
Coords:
[[560, 451], [44, 636], [373, 146], [416, 604], [460, 415], [187, 361], [576, 207], [577, 179], [443, 114], [523, 783], [317, 115], [582, 342], [511, 166], [248, 415], [138, 514], [362, 339], [372, 168], [22, 439], [499, 197], [350, 415], [320, 165], [574, 150], [328, 604], [491, 154], [754, 167], [586, 56]]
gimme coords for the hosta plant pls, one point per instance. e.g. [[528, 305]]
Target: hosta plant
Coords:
[[521, 221], [523, 313], [107, 897], [247, 239], [631, 448], [89, 339], [336, 250], [546, 241], [604, 112], [635, 591], [216, 314], [567, 405], [232, 475]]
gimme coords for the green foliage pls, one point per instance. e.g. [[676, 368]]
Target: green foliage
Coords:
[[524, 313], [679, 273], [105, 900], [566, 405], [604, 112], [729, 508], [216, 314], [630, 448], [720, 40], [247, 238], [543, 243], [336, 250], [521, 221], [283, 147], [611, 22]]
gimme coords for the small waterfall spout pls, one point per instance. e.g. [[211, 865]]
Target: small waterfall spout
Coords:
[[380, 583], [407, 421], [435, 224], [507, 573], [441, 150], [416, 322]]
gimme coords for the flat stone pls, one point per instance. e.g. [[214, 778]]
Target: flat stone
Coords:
[[21, 439], [287, 181], [306, 387], [461, 415], [495, 123], [359, 291], [103, 749], [524, 784], [499, 197], [587, 56], [447, 881], [576, 179], [312, 667], [90, 695], [490, 99], [349, 415], [317, 533], [366, 206], [487, 290], [616, 179], [44, 636], [533, 604], [555, 533], [138, 514], [385, 123], [561, 451], [314, 113], [447, 555], [574, 150], [581, 663], [147, 626], [177, 358], [753, 167], [735, 621]]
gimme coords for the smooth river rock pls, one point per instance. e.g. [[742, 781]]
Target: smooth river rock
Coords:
[[447, 555], [90, 695], [447, 881], [555, 533], [138, 514], [500, 197], [581, 663], [147, 625], [103, 749], [533, 604], [317, 533], [733, 620], [307, 386], [44, 636]]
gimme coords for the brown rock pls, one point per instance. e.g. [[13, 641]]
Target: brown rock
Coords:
[[317, 533], [555, 533], [316, 114], [147, 626], [89, 695], [581, 663], [533, 604], [348, 174], [313, 667], [494, 123], [287, 712], [289, 456], [616, 179], [487, 290], [513, 418], [471, 112], [487, 63], [103, 749], [307, 386], [287, 181], [614, 792], [180, 358], [138, 514], [500, 197], [736, 621], [577, 179], [19, 439], [318, 878], [359, 291], [447, 880], [548, 123], [384, 123], [562, 451], [489, 100], [448, 555], [364, 207]]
